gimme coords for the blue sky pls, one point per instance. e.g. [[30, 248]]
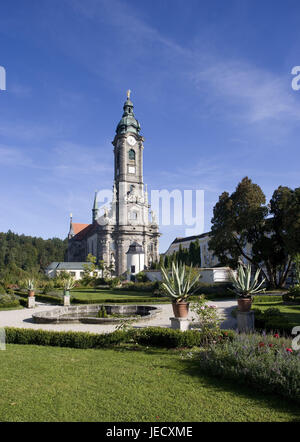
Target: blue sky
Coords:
[[211, 84]]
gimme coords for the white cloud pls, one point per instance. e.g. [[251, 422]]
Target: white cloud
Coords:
[[250, 93]]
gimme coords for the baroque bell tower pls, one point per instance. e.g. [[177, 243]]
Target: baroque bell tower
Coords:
[[131, 197], [127, 224]]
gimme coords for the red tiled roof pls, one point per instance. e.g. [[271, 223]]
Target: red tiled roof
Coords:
[[77, 227], [82, 230]]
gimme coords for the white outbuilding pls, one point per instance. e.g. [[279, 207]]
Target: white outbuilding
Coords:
[[135, 259]]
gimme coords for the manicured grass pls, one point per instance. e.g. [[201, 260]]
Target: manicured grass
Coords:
[[117, 295], [290, 312], [102, 294], [126, 384]]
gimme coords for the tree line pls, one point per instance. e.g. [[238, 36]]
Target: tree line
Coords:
[[21, 254], [188, 256]]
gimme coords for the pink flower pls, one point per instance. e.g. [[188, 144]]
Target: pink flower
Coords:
[[289, 350], [276, 335]]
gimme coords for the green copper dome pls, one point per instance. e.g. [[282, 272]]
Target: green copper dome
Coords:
[[128, 122]]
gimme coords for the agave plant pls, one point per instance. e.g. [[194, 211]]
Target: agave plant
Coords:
[[244, 285], [69, 283], [179, 282], [30, 284]]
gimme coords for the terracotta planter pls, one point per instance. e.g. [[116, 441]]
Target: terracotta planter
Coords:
[[180, 309], [30, 293], [244, 304]]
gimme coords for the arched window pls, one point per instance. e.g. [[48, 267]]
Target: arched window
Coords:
[[131, 154]]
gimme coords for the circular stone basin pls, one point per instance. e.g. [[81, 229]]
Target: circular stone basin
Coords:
[[88, 314]]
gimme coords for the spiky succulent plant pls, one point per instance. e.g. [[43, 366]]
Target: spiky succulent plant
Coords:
[[69, 283], [30, 284], [244, 286], [178, 283]]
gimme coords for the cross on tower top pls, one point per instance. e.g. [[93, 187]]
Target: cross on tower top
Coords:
[[128, 93]]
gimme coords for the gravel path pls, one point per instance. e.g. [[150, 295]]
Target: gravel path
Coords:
[[23, 319]]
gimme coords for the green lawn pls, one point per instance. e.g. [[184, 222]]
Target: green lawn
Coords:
[[99, 294], [291, 312], [62, 384], [117, 295]]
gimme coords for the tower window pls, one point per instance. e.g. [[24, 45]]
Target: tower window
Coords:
[[132, 215], [131, 154]]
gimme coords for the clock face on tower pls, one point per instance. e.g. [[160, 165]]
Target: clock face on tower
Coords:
[[131, 140]]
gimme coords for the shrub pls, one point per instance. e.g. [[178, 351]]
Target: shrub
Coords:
[[63, 339], [151, 336], [52, 297], [271, 312], [48, 287], [208, 318], [102, 312], [9, 301], [272, 320], [114, 282], [169, 338], [265, 362], [293, 295], [142, 277], [23, 301]]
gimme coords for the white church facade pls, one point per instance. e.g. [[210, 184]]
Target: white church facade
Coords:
[[129, 220]]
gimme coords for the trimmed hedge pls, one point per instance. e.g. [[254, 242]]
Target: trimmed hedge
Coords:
[[272, 320], [266, 298], [12, 304], [169, 338], [152, 336], [54, 299], [9, 300], [63, 339], [23, 302]]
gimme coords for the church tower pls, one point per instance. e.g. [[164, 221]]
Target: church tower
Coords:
[[132, 208], [127, 221]]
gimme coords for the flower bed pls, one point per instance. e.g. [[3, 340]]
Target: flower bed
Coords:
[[267, 362]]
